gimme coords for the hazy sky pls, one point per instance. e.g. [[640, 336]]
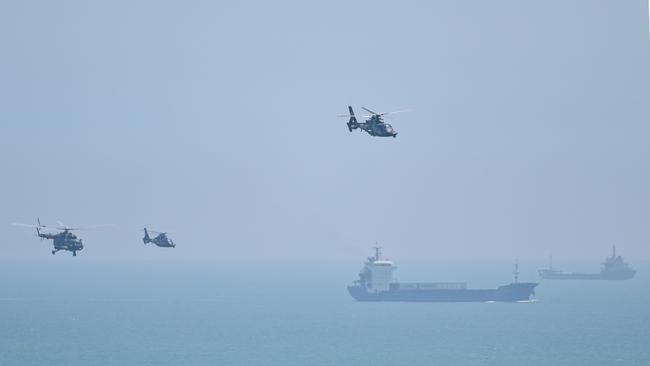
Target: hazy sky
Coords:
[[529, 133]]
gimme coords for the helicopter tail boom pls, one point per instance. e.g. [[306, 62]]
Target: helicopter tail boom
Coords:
[[352, 123], [146, 238]]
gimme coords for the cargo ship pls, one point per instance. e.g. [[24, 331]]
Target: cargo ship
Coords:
[[376, 283], [614, 268]]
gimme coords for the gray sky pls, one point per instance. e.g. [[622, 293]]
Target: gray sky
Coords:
[[217, 121]]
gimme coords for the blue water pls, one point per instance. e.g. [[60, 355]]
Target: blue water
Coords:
[[82, 312]]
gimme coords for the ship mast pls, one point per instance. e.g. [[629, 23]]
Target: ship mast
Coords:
[[516, 272], [613, 250], [377, 252]]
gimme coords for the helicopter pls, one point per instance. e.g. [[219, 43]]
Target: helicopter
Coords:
[[64, 240], [160, 240], [374, 125]]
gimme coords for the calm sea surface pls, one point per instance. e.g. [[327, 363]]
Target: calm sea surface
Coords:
[[84, 312]]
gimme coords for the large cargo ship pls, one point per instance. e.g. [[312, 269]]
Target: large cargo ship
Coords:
[[614, 268], [376, 283]]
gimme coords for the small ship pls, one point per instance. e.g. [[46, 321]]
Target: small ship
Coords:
[[614, 268], [376, 283]]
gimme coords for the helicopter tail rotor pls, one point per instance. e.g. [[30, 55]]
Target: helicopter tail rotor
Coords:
[[352, 123], [37, 227]]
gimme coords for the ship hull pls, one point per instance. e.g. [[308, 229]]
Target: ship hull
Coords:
[[619, 276], [509, 293]]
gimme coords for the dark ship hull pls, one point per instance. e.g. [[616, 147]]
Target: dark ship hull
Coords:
[[558, 275], [509, 293]]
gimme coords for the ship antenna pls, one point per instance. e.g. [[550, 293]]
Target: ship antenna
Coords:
[[613, 250]]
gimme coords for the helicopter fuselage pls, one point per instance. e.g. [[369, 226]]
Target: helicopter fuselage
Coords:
[[65, 240], [380, 128], [376, 127], [163, 241]]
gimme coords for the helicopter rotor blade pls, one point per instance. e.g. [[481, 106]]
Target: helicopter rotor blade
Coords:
[[84, 228], [28, 225], [357, 116], [160, 232], [368, 110], [394, 112], [93, 227], [375, 113], [63, 226]]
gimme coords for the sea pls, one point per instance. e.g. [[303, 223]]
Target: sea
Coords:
[[76, 311]]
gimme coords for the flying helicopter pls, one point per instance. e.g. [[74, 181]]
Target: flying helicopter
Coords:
[[64, 240], [160, 240], [374, 124]]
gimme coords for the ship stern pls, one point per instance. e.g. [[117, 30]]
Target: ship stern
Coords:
[[359, 293]]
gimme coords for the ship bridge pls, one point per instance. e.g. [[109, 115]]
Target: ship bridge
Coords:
[[381, 275]]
